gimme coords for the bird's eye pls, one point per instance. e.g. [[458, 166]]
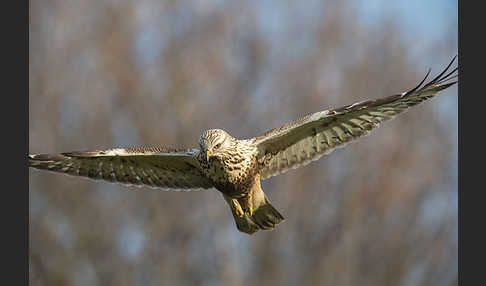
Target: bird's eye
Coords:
[[217, 146]]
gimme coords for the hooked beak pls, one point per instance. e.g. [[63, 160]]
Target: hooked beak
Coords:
[[208, 154]]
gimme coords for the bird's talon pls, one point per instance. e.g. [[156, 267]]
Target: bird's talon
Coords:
[[250, 210], [238, 210]]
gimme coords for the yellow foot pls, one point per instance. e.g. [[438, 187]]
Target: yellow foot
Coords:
[[250, 210], [238, 210]]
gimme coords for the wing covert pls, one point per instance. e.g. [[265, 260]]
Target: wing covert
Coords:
[[153, 166], [307, 139]]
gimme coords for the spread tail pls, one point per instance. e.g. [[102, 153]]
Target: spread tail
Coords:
[[264, 216]]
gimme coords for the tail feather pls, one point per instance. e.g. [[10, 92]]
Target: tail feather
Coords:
[[265, 216], [245, 224]]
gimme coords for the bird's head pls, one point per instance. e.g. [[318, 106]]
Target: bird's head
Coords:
[[213, 142]]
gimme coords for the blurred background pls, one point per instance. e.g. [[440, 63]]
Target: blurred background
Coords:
[[102, 74]]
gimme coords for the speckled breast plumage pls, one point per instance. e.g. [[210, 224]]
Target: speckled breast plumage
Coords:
[[232, 173]]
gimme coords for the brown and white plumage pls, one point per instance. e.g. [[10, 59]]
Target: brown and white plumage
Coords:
[[307, 139], [154, 166], [235, 167]]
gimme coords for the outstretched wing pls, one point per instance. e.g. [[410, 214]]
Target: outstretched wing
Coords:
[[299, 142], [155, 167]]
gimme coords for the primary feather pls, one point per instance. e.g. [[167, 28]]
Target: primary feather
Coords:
[[152, 166], [299, 142]]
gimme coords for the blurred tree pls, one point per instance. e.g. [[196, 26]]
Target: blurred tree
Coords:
[[382, 211]]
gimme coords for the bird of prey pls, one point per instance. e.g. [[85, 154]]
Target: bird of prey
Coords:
[[235, 167]]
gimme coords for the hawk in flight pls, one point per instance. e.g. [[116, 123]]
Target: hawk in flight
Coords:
[[235, 167]]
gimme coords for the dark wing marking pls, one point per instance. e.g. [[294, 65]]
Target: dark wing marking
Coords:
[[299, 142], [157, 167]]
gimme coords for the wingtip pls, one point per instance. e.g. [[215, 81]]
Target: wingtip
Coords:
[[46, 157], [419, 85], [33, 157], [440, 81]]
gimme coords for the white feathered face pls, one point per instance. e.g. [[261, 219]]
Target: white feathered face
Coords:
[[214, 142]]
